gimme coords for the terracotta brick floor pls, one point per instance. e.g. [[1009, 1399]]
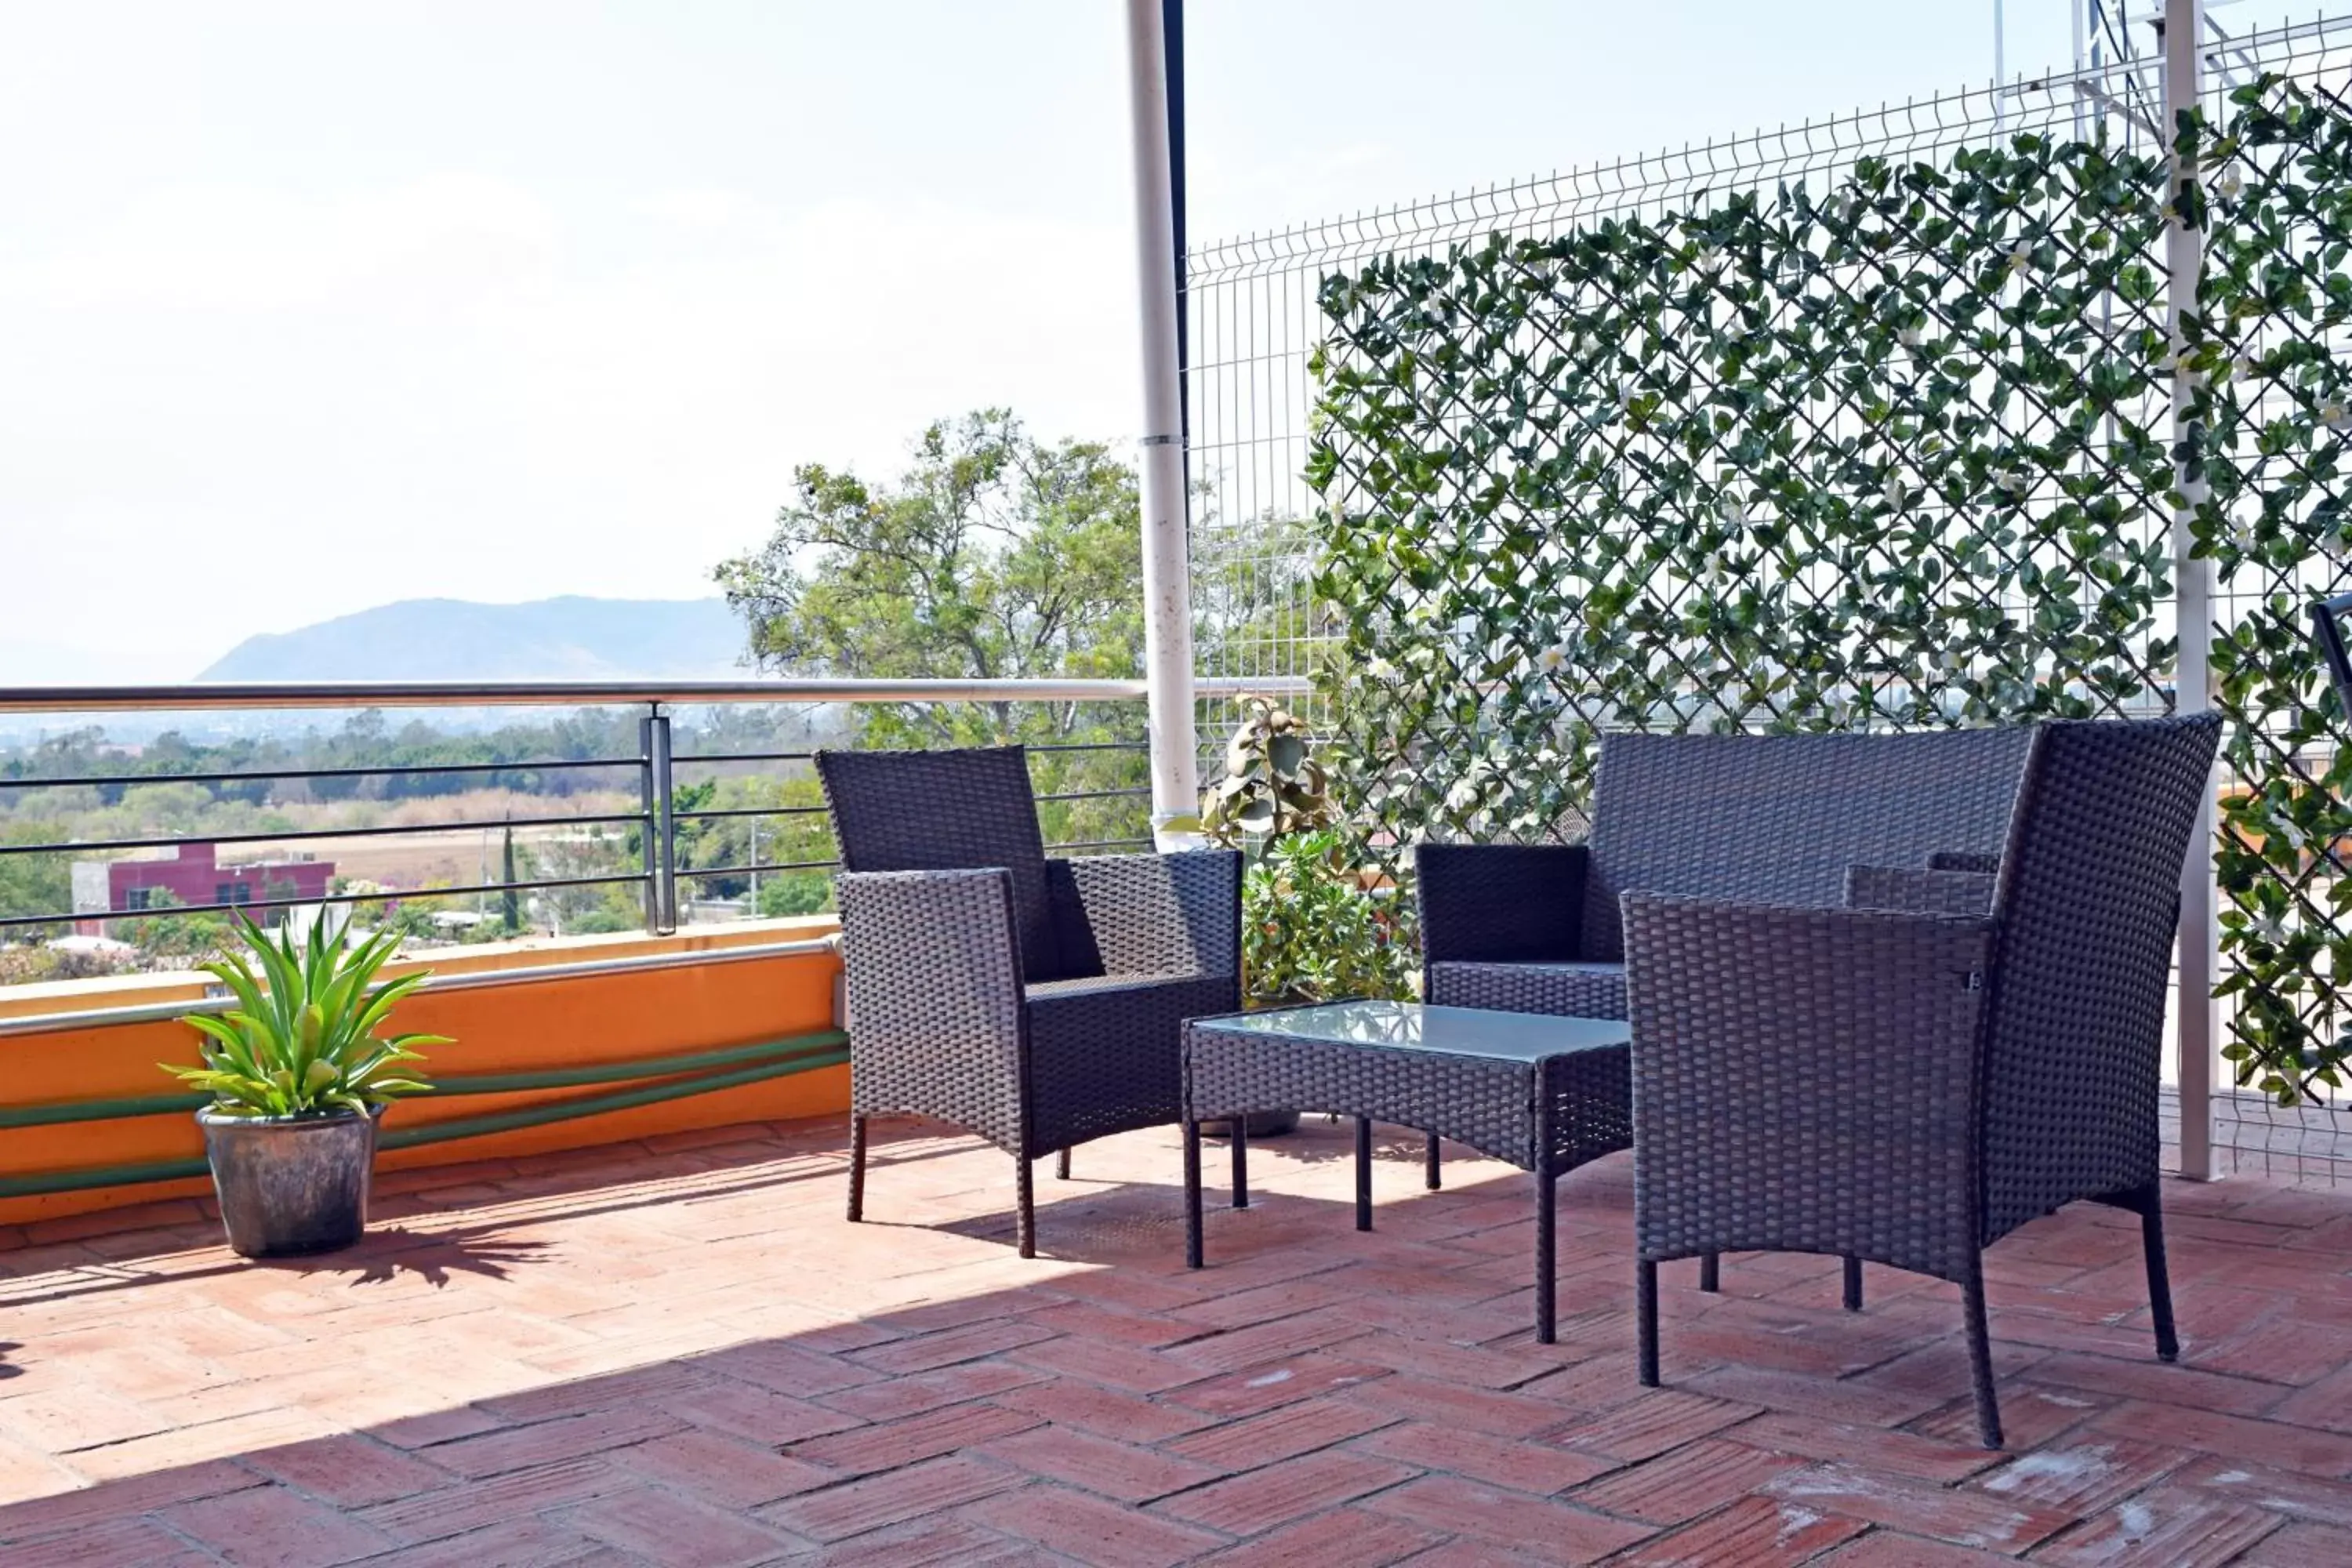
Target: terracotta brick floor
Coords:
[[680, 1354]]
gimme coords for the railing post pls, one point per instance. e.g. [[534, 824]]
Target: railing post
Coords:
[[2184, 253], [661, 831]]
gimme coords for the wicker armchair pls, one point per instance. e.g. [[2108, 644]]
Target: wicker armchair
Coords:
[[1535, 928], [1912, 1078], [1037, 1003]]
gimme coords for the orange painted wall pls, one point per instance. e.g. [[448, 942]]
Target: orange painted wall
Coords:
[[498, 1029]]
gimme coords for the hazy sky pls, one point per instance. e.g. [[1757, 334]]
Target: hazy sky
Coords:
[[310, 306]]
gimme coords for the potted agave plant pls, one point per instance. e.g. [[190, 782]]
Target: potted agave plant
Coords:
[[298, 1074]]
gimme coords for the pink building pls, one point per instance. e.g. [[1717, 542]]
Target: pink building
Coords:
[[196, 877]]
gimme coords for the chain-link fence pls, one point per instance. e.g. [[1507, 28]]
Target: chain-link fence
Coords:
[[1861, 422]]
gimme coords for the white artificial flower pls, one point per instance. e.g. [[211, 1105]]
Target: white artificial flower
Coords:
[[1553, 658], [1380, 670], [1911, 336], [1710, 258], [2243, 365], [2333, 415], [2230, 184], [2021, 256], [2337, 548], [1895, 492]]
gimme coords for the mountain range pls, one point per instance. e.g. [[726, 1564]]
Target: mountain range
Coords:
[[569, 639]]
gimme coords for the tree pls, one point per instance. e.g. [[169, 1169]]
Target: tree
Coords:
[[33, 884], [994, 556]]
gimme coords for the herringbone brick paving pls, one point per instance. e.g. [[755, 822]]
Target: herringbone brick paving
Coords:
[[678, 1352]]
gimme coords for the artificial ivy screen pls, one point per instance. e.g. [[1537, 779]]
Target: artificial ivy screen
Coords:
[[1893, 455]]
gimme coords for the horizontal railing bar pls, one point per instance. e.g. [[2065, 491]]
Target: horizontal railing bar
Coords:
[[211, 695], [743, 757], [208, 696], [299, 833], [1099, 793], [393, 895], [746, 869], [165, 1012], [127, 781], [716, 757], [752, 811], [1100, 844]]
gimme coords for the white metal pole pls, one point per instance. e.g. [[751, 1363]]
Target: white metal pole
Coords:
[[2184, 253], [1167, 572], [2000, 68]]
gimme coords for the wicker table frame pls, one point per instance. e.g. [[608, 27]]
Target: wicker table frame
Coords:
[[1545, 1115]]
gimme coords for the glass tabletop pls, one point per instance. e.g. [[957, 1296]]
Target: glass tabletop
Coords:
[[1457, 1031]]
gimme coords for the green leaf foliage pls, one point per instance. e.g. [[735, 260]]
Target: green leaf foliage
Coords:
[[1896, 453], [305, 1038]]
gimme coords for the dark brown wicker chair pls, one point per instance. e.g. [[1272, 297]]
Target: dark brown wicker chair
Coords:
[[1904, 1083], [1534, 928], [1037, 1003]]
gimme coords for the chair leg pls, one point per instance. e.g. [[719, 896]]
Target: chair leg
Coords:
[[1972, 1307], [1024, 1203], [857, 1169], [1853, 1283], [1191, 1194], [1239, 1143], [1546, 1267], [1645, 1319], [1710, 1272], [1363, 1173], [1062, 1166], [2159, 1280], [1430, 1177]]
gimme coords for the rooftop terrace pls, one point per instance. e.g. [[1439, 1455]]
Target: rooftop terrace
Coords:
[[675, 1352]]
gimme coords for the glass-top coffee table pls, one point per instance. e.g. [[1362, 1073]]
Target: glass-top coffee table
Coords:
[[1543, 1093]]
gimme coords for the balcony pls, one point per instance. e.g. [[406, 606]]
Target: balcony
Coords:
[[610, 1310]]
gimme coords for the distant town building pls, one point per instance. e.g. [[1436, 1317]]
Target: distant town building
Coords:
[[193, 876]]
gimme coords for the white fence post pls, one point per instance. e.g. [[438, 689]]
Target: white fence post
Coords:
[[1167, 570], [2184, 251]]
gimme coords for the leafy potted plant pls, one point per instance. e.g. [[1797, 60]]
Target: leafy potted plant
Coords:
[[1312, 929], [298, 1075]]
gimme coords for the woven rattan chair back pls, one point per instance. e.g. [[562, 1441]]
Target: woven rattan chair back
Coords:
[[1777, 819], [2087, 904], [948, 811]]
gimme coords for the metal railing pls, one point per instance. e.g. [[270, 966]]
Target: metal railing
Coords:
[[661, 816]]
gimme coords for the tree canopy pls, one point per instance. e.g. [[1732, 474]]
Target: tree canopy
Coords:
[[994, 555]]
